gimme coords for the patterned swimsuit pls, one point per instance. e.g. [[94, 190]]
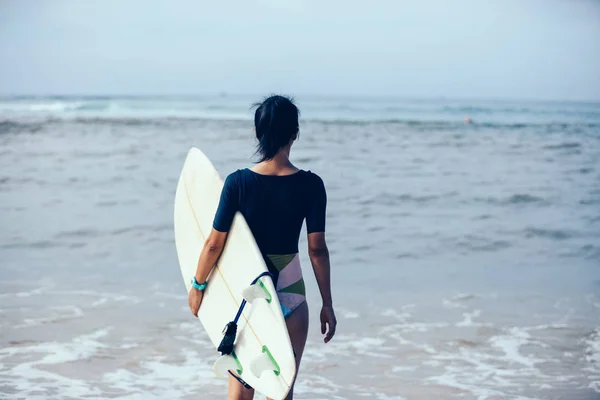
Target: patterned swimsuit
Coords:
[[290, 284], [275, 208]]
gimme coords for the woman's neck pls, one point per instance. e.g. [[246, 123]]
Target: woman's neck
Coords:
[[280, 164]]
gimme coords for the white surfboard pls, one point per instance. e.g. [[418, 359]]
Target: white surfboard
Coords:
[[264, 357]]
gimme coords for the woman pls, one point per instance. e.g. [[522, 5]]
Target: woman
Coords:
[[275, 198]]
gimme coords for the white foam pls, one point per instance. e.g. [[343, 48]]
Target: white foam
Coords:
[[403, 368], [432, 363], [54, 106], [457, 300], [481, 393], [593, 300], [510, 344], [382, 396], [468, 319], [32, 292], [592, 356], [406, 326], [127, 346], [451, 304], [171, 296], [350, 315], [404, 342], [191, 333], [159, 378], [422, 326], [499, 371], [103, 297], [309, 384], [100, 302], [547, 326], [21, 376], [352, 347], [389, 312]]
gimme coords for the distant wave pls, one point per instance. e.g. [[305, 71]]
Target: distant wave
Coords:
[[93, 107], [556, 234], [485, 114], [515, 199], [32, 124], [16, 126], [522, 110], [523, 198], [565, 145], [481, 110], [55, 106]]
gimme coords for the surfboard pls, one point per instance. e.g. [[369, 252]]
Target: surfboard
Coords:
[[263, 356]]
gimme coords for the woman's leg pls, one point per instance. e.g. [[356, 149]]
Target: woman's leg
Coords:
[[237, 391], [297, 324]]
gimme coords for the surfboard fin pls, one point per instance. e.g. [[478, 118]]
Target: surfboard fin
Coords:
[[255, 291], [226, 363], [264, 362]]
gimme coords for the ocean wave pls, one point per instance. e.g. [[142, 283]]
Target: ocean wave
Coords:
[[481, 110], [523, 198], [94, 107], [564, 145], [41, 244], [54, 106], [395, 199], [366, 106], [556, 234], [53, 315], [514, 199], [17, 126], [481, 244], [433, 114], [35, 124], [535, 109]]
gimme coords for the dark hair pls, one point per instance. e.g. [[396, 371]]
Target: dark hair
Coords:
[[276, 123]]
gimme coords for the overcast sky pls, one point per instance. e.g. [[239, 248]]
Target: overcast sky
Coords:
[[546, 49]]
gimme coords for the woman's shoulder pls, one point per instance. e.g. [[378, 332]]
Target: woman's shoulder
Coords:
[[311, 174], [239, 172], [234, 177], [313, 179]]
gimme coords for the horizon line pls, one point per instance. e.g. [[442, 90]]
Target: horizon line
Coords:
[[356, 96]]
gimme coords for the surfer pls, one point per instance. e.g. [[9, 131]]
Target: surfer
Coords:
[[275, 198]]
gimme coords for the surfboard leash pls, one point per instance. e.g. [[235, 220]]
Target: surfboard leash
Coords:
[[230, 330]]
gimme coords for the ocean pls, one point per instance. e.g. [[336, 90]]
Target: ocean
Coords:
[[465, 257]]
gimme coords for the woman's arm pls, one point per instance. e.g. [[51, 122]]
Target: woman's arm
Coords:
[[215, 242], [213, 247], [319, 258]]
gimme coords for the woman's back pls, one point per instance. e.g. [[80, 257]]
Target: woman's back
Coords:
[[274, 207]]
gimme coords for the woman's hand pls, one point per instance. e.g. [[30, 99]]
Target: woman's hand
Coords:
[[195, 299], [328, 322]]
